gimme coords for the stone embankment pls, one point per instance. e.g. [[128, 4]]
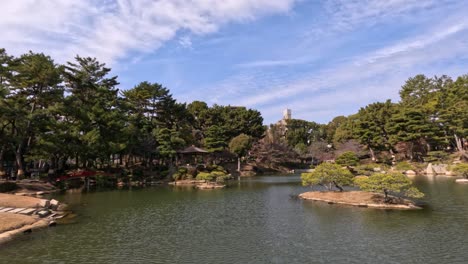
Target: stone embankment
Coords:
[[359, 199], [22, 214]]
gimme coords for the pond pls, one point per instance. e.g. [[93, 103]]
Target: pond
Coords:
[[257, 220]]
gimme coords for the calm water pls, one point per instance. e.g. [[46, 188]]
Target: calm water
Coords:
[[256, 221]]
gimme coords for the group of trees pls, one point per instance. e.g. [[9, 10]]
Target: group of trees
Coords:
[[73, 114], [432, 116], [333, 176]]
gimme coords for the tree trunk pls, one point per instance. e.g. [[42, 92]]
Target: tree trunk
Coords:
[[386, 200], [372, 153], [19, 162], [238, 163], [338, 186], [2, 170]]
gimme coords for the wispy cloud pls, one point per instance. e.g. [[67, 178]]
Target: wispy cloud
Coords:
[[361, 78], [272, 63], [110, 30]]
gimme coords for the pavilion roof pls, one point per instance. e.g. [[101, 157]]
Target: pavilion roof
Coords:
[[193, 150]]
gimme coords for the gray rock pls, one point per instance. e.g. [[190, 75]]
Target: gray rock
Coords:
[[28, 211], [7, 209], [54, 204], [17, 210], [44, 203], [410, 172], [43, 213]]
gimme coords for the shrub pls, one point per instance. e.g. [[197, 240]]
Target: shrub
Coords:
[[328, 175], [404, 166], [461, 169], [369, 169], [205, 176], [348, 158], [387, 183]]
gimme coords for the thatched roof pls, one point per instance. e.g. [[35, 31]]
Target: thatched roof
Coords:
[[193, 150]]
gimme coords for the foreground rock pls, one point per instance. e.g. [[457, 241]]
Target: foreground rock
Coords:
[[360, 199], [23, 214]]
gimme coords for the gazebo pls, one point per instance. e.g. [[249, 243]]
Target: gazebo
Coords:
[[190, 152]]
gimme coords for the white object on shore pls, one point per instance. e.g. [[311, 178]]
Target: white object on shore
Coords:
[[461, 180]]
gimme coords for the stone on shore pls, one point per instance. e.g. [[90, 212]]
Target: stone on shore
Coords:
[[54, 204]]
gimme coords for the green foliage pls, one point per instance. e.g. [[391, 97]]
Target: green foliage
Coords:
[[461, 169], [8, 187], [371, 124], [216, 138], [404, 166], [436, 156], [240, 145], [348, 158], [205, 176], [369, 169], [328, 175], [303, 132], [386, 183]]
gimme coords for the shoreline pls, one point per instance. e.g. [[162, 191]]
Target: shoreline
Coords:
[[357, 199], [20, 215]]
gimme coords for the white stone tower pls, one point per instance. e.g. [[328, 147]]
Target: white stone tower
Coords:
[[286, 114]]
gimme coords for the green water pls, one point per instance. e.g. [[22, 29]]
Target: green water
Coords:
[[255, 221]]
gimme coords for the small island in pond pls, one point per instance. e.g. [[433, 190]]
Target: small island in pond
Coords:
[[360, 199], [376, 189]]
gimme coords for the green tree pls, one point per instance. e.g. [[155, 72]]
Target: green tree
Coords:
[[216, 138], [240, 145], [34, 85], [348, 158], [305, 132], [388, 183], [411, 126], [453, 107], [371, 126], [328, 175], [461, 169], [92, 111]]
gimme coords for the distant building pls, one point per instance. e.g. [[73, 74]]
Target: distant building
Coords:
[[287, 114], [276, 132]]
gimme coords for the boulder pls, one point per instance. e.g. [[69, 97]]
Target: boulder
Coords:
[[410, 172], [44, 203], [440, 168], [54, 204], [247, 173], [429, 169], [43, 213]]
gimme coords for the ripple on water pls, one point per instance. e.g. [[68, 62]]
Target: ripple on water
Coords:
[[255, 221]]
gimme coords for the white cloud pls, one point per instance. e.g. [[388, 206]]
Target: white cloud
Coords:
[[358, 80], [111, 30], [347, 14]]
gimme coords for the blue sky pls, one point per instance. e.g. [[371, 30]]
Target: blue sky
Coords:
[[319, 58]]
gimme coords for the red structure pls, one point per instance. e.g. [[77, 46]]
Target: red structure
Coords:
[[81, 174]]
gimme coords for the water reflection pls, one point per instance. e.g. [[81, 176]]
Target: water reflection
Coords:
[[256, 220]]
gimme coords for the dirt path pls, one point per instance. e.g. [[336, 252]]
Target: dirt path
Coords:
[[10, 200]]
